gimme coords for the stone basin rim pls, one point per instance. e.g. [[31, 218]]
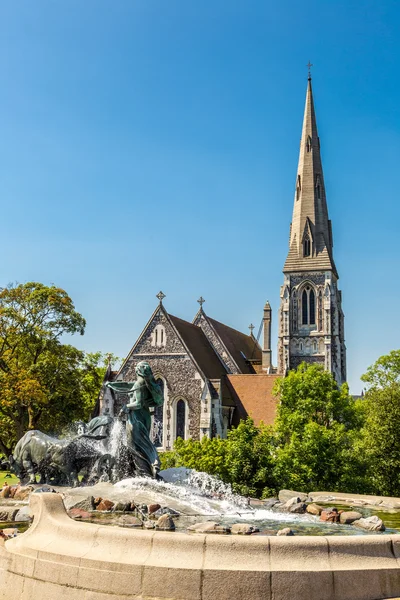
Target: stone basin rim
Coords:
[[60, 557]]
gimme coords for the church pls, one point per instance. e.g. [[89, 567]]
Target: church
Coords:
[[213, 375]]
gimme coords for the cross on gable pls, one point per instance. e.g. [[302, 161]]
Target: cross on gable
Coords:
[[160, 296], [201, 301], [251, 327]]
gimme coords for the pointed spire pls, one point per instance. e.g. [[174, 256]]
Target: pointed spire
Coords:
[[310, 246]]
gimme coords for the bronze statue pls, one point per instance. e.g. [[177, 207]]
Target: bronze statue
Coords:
[[144, 393]]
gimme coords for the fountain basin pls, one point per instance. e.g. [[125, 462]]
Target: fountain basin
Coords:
[[64, 559]]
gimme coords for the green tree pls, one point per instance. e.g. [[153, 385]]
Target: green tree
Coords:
[[381, 433], [43, 382], [244, 459], [316, 432]]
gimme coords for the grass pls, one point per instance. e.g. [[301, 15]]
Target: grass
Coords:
[[10, 480]]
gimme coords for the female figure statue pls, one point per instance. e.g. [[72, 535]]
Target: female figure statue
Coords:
[[144, 393]]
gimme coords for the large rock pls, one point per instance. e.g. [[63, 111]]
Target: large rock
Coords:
[[87, 504], [129, 521], [270, 502], [23, 515], [299, 508], [243, 529], [7, 513], [289, 503], [370, 523], [22, 493], [105, 505], [165, 523], [5, 491], [79, 513], [314, 509], [285, 531], [152, 508], [209, 527], [348, 517], [285, 495], [330, 516]]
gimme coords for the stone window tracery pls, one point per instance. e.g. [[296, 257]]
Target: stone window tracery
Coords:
[[308, 306], [307, 245]]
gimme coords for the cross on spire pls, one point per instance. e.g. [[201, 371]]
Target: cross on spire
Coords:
[[251, 327], [160, 296], [309, 65], [201, 302]]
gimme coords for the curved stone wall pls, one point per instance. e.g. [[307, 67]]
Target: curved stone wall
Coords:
[[62, 559]]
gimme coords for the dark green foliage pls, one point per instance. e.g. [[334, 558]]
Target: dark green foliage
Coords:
[[314, 443], [244, 459]]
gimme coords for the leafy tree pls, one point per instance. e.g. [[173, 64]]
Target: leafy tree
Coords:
[[316, 432], [43, 382], [384, 372], [381, 433], [243, 459]]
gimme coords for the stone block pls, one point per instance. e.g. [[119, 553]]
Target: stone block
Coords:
[[348, 517], [285, 495]]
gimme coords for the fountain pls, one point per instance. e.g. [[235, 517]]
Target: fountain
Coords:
[[59, 557]]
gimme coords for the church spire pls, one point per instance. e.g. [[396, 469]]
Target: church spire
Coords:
[[310, 245]]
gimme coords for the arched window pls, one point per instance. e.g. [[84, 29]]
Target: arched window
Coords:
[[158, 420], [159, 336], [312, 307], [307, 245], [308, 306], [304, 307], [180, 423]]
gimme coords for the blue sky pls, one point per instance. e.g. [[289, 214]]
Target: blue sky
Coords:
[[151, 145]]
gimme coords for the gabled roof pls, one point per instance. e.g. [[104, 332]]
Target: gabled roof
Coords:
[[240, 346], [200, 348], [253, 397]]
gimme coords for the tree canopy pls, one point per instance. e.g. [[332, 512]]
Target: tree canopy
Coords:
[[43, 382]]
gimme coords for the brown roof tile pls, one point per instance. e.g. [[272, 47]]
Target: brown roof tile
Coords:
[[200, 348], [253, 396], [237, 343]]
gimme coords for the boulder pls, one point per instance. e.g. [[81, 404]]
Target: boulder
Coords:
[[330, 516], [152, 508], [22, 493], [86, 505], [314, 509], [209, 527], [289, 503], [270, 502], [129, 521], [23, 515], [243, 529], [5, 491], [347, 517], [149, 525], [299, 508], [7, 513], [13, 490], [285, 531], [105, 505], [285, 495], [79, 513], [97, 500], [165, 523], [370, 523]]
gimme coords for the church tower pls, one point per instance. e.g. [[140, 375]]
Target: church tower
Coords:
[[311, 321]]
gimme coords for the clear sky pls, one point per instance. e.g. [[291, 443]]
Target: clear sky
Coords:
[[153, 144]]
